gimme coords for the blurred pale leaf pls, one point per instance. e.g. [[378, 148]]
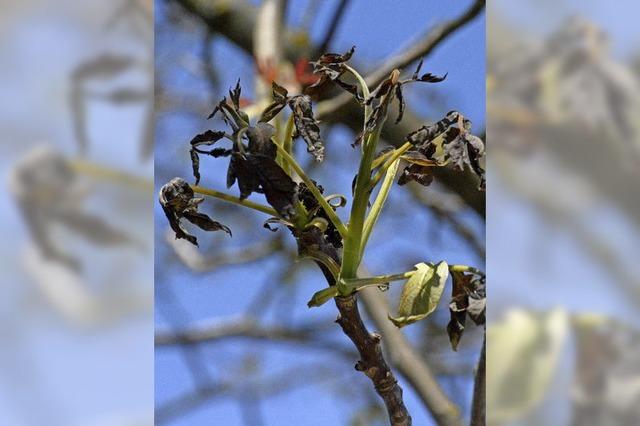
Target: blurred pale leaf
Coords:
[[522, 358]]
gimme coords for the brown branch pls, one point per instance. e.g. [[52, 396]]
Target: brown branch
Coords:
[[478, 407], [338, 14], [372, 362], [436, 204], [248, 328], [408, 362], [287, 381]]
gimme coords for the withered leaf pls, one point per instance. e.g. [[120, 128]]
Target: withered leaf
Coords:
[[468, 297], [426, 134], [178, 201], [335, 58], [209, 137], [447, 141], [280, 97], [391, 89], [254, 168], [232, 115], [330, 67], [307, 126], [416, 173], [278, 187]]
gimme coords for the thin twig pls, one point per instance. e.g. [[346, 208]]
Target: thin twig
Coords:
[[338, 14]]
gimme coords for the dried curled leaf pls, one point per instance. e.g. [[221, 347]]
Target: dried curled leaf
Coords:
[[306, 125], [389, 90], [207, 138], [178, 201], [468, 297], [255, 169], [421, 293], [330, 67], [231, 113], [447, 141]]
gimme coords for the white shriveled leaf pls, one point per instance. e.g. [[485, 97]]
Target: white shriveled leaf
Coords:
[[421, 293]]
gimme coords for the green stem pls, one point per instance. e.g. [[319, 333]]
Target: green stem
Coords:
[[235, 200], [381, 198], [331, 214], [357, 283], [287, 143], [396, 154], [465, 268], [353, 242], [105, 173], [361, 82]]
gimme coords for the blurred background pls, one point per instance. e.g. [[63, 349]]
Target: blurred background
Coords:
[[235, 341], [563, 102], [76, 159]]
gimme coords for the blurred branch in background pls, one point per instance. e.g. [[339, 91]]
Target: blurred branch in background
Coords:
[[78, 271], [563, 104]]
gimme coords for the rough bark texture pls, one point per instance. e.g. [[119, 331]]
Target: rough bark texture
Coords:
[[372, 362]]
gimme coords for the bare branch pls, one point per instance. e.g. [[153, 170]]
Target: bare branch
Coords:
[[478, 408], [247, 328], [338, 14], [409, 363]]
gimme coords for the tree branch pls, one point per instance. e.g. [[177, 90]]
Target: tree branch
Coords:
[[478, 407], [372, 362], [248, 328], [408, 362]]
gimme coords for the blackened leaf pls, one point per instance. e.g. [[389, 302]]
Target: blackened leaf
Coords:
[[205, 222], [280, 98], [401, 103], [248, 179], [431, 78], [330, 67], [231, 113], [207, 138], [195, 165], [307, 126], [278, 187], [271, 111], [416, 173], [351, 88], [235, 95], [279, 92], [417, 71], [260, 140], [178, 201], [468, 297], [421, 293], [335, 58], [428, 133]]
